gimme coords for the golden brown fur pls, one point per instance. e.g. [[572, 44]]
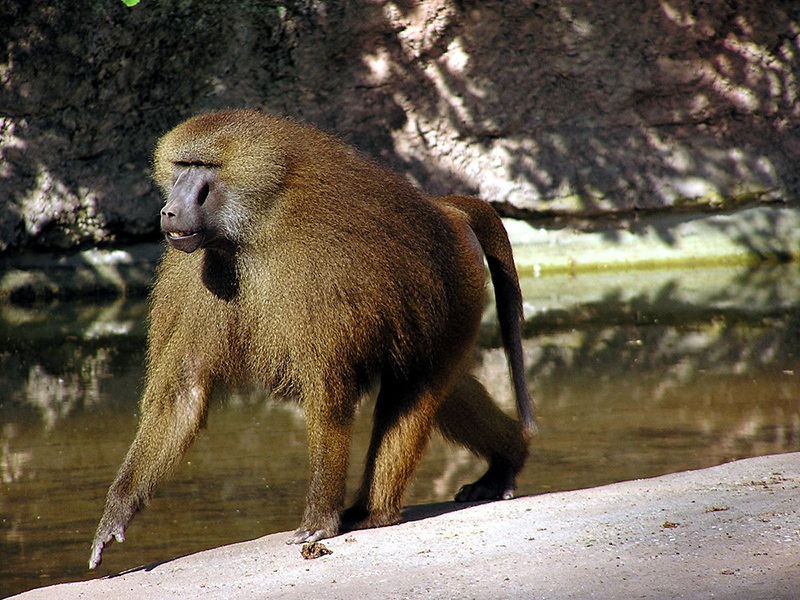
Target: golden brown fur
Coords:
[[299, 265]]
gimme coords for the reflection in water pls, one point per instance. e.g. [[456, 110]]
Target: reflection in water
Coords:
[[635, 375]]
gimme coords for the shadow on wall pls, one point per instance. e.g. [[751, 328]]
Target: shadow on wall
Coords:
[[541, 107]]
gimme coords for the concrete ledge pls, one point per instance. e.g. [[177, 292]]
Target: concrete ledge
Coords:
[[748, 236], [726, 532]]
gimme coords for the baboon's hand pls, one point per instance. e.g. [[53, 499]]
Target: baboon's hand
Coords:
[[108, 528], [315, 529], [304, 536]]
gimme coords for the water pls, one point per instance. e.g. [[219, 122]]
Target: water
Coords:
[[635, 374]]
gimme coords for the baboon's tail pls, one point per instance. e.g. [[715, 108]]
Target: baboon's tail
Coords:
[[491, 234]]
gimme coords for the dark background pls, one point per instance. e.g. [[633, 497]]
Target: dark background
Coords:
[[551, 107]]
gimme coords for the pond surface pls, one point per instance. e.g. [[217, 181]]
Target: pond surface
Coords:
[[635, 374]]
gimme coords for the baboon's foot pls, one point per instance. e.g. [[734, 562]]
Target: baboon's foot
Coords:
[[497, 483], [357, 517]]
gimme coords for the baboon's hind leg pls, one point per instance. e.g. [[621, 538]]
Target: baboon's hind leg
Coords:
[[468, 416], [402, 426]]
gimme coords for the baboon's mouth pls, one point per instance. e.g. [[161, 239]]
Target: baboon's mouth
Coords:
[[179, 235], [187, 241]]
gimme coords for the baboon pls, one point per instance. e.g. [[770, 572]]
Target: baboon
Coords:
[[295, 263]]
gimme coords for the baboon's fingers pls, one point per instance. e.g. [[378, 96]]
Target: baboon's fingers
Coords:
[[103, 536]]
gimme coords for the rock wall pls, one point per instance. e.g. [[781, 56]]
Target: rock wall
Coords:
[[551, 107]]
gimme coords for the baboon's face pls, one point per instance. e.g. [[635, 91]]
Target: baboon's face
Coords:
[[190, 218]]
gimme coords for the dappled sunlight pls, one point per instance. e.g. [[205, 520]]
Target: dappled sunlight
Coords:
[[546, 109], [659, 131], [748, 74]]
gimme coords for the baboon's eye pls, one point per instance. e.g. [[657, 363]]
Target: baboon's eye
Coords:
[[202, 194]]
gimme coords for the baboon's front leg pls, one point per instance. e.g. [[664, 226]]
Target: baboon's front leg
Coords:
[[168, 424], [329, 432]]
